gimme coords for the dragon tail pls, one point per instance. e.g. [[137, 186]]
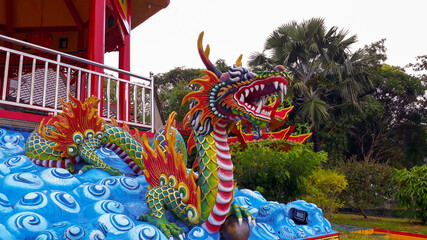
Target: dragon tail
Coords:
[[55, 163], [125, 158]]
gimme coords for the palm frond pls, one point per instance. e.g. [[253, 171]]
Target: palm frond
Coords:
[[315, 110]]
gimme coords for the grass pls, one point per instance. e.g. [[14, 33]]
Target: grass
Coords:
[[395, 224], [357, 236]]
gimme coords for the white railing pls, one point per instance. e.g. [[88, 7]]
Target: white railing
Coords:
[[35, 78]]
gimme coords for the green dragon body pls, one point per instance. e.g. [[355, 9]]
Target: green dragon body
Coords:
[[202, 198]]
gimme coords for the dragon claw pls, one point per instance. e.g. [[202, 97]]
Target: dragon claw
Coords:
[[70, 168], [241, 212]]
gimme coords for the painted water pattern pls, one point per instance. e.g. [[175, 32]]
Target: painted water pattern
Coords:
[[50, 203]]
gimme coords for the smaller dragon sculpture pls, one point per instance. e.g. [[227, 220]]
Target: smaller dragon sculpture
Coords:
[[283, 140], [75, 134]]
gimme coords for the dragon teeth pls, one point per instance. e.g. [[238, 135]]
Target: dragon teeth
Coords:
[[262, 86], [242, 98], [252, 89], [264, 112], [258, 110], [276, 84], [246, 92], [281, 86], [256, 87]]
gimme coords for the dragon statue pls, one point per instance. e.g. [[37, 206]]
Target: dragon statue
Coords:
[[203, 197], [223, 99], [75, 134]]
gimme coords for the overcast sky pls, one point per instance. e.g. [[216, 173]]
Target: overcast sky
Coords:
[[233, 27]]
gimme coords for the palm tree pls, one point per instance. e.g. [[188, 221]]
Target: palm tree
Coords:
[[322, 65]]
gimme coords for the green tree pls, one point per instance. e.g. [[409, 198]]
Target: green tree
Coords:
[[326, 73], [369, 184], [412, 190], [221, 65], [279, 176], [388, 123], [172, 88]]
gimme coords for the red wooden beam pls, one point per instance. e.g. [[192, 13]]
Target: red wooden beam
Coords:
[[123, 20], [23, 116], [74, 13]]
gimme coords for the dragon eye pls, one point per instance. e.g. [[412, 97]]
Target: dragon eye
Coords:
[[192, 213], [172, 181], [162, 180], [183, 192], [99, 135], [89, 133], [72, 150], [77, 137]]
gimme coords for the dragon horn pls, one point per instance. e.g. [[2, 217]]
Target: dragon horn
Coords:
[[204, 55], [239, 61]]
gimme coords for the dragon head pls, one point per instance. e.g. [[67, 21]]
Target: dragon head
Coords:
[[235, 95]]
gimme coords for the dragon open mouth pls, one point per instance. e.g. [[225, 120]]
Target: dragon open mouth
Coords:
[[252, 97]]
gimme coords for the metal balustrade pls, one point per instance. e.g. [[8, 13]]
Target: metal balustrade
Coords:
[[32, 83]]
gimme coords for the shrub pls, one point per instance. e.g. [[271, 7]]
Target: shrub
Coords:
[[412, 190], [279, 176], [323, 188], [369, 184]]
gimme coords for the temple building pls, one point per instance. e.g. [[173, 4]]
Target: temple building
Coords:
[[50, 49]]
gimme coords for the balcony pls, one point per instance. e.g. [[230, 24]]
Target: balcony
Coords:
[[34, 78]]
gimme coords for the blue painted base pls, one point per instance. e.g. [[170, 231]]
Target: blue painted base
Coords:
[[46, 203]]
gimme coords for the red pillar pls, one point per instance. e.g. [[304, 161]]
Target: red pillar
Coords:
[[9, 13], [96, 42], [124, 64]]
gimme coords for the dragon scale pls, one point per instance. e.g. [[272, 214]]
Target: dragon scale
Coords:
[[225, 185]]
